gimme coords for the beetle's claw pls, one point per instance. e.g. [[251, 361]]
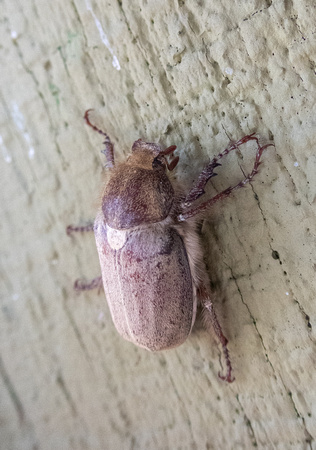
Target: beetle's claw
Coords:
[[229, 378]]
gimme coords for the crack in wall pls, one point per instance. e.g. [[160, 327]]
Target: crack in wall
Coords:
[[63, 58], [182, 405], [61, 383], [18, 406], [77, 333], [248, 424], [309, 438], [254, 322], [306, 319], [103, 36], [155, 78], [276, 256], [42, 98]]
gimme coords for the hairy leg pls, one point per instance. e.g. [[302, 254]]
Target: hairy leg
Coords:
[[109, 149], [81, 285], [79, 229], [211, 322]]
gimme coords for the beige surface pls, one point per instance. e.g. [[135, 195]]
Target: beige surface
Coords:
[[194, 74]]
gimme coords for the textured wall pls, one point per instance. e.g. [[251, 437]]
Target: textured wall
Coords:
[[195, 74]]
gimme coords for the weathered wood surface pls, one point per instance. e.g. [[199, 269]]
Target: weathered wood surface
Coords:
[[194, 74]]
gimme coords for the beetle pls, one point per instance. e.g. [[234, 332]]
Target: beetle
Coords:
[[151, 258]]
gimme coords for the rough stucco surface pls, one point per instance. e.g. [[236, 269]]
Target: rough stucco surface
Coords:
[[195, 74]]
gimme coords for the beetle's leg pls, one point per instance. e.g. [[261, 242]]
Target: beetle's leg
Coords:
[[109, 149], [81, 285], [198, 187], [223, 340], [208, 172], [79, 229], [210, 320], [187, 213]]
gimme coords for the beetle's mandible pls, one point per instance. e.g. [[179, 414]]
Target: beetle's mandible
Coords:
[[151, 258]]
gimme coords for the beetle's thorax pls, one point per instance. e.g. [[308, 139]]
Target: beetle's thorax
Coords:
[[139, 191]]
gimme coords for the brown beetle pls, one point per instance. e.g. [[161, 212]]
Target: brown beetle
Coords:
[[151, 258]]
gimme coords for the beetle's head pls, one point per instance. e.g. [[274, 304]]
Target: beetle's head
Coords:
[[151, 156]]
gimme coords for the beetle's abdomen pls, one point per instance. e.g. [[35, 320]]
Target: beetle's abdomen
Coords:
[[136, 196], [148, 285]]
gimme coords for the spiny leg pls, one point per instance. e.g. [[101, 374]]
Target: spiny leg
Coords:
[[81, 285], [210, 321], [79, 229], [198, 187], [109, 149], [187, 213], [207, 173]]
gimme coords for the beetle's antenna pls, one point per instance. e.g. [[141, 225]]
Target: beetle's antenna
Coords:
[[168, 150], [173, 163], [174, 160]]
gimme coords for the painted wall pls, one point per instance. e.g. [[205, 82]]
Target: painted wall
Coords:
[[195, 74]]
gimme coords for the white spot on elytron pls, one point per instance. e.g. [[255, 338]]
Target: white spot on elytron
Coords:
[[229, 71], [287, 293], [116, 238], [14, 34], [104, 39], [296, 164], [20, 123], [5, 153], [15, 297]]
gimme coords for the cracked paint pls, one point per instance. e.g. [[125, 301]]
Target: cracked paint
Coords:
[[5, 152], [19, 121], [104, 39]]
